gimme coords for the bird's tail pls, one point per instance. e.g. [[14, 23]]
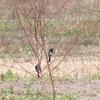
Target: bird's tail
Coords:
[[38, 75], [49, 59]]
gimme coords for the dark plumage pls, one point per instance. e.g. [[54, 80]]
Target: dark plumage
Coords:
[[50, 54], [38, 70]]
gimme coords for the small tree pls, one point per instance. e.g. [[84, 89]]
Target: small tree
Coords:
[[40, 25]]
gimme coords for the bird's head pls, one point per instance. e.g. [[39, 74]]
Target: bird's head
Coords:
[[51, 49]]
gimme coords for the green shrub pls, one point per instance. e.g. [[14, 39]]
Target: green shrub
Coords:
[[8, 76]]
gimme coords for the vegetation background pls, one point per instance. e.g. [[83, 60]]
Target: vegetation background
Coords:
[[28, 29]]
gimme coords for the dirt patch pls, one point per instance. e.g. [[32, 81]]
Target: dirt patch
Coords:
[[88, 90]]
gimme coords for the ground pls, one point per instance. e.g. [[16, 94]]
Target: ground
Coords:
[[81, 87], [87, 90]]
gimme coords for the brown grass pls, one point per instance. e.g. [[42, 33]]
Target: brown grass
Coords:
[[71, 67]]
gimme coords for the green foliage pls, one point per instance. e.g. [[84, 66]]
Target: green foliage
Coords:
[[64, 79], [11, 90], [27, 35], [6, 26], [7, 91], [66, 96], [54, 42], [29, 92], [47, 77], [53, 24], [8, 98], [92, 77], [4, 91], [67, 32], [98, 76], [20, 91], [8, 76], [69, 97], [47, 96], [2, 77]]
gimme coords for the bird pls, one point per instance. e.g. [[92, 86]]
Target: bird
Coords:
[[50, 53], [38, 70]]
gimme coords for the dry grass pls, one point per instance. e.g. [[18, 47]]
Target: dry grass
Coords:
[[75, 67]]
